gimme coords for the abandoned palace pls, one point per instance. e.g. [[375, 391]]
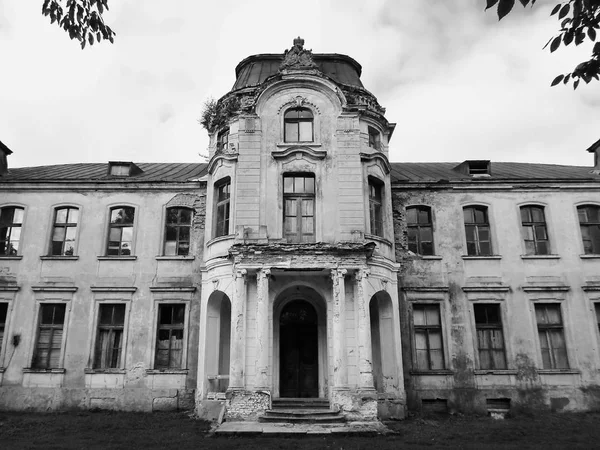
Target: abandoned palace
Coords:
[[300, 265]]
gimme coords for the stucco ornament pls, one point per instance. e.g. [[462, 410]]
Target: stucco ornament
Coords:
[[297, 57]]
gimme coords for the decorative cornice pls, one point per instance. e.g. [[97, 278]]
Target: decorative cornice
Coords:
[[297, 102], [54, 288], [591, 287], [486, 288], [545, 287], [425, 288], [306, 151], [113, 288], [9, 287], [377, 157], [172, 288], [220, 157]]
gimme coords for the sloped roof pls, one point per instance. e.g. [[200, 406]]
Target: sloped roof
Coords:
[[98, 172], [500, 171]]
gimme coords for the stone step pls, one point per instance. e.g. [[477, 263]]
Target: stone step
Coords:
[[290, 403], [293, 418], [302, 412]]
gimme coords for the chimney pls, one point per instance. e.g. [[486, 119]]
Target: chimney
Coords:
[[595, 149], [4, 152]]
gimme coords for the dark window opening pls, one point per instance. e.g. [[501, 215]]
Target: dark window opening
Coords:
[[109, 341], [376, 206], [223, 197], [223, 141], [429, 349], [490, 338], [50, 334], [477, 229], [299, 207], [169, 341], [552, 337], [479, 167], [177, 231], [374, 138], [420, 230], [11, 221], [3, 318], [120, 232], [589, 223], [534, 228], [64, 231]]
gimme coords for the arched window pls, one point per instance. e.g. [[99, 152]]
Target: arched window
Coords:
[[298, 125], [589, 223], [533, 222], [64, 231], [120, 232], [177, 231], [11, 220], [477, 229], [420, 230]]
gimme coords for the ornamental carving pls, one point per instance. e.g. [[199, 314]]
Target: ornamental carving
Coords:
[[297, 57]]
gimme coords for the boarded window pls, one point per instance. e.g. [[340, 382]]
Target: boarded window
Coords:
[[169, 341], [299, 207], [490, 338], [222, 194], [552, 337], [120, 232], [50, 333], [477, 230], [534, 230], [177, 231], [429, 349], [589, 223], [64, 231], [376, 206], [109, 341], [11, 220], [298, 123], [420, 230]]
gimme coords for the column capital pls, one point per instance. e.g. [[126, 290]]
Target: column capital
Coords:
[[361, 274], [338, 273], [241, 273], [263, 273]]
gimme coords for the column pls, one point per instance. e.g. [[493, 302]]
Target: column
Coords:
[[238, 332], [340, 358], [365, 349], [262, 329]]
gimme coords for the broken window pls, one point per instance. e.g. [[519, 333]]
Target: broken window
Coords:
[[551, 334], [376, 206], [490, 338], [109, 340], [299, 207], [223, 195], [169, 341], [3, 316], [50, 333], [589, 222], [298, 125], [374, 138], [177, 231], [420, 230], [11, 220], [429, 350], [120, 232], [534, 229], [64, 231], [477, 230], [223, 141]]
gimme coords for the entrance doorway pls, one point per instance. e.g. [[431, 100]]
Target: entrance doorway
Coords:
[[298, 350]]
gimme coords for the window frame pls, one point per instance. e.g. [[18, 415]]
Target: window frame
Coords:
[[110, 226], [226, 203], [223, 141], [35, 342], [493, 326], [442, 332], [5, 328], [15, 206], [298, 120], [154, 336], [477, 241], [299, 196], [375, 205], [547, 328], [418, 226], [374, 138], [96, 335], [178, 225], [66, 225], [534, 225], [578, 207]]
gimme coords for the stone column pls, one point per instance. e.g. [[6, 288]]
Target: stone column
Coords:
[[238, 333], [262, 329], [365, 349], [340, 358]]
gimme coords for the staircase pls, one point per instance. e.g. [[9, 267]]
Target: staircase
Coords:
[[301, 410]]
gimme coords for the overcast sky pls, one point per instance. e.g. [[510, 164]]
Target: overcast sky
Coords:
[[458, 83]]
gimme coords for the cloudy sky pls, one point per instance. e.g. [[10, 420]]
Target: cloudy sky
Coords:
[[458, 83]]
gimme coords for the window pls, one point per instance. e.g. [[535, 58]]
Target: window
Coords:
[[596, 306], [11, 220], [169, 342], [490, 339], [222, 191], [589, 222], [420, 230], [298, 123], [534, 228], [120, 233], [551, 334], [109, 340], [429, 350], [299, 207], [376, 206], [64, 231], [223, 141], [120, 170], [50, 333], [374, 138], [177, 232], [3, 315], [477, 229]]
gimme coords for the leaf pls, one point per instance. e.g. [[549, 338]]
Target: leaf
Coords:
[[91, 38], [575, 84], [490, 3], [504, 7], [567, 78], [555, 44], [597, 48], [568, 37], [591, 34], [524, 3], [564, 11], [579, 38], [555, 10], [557, 80]]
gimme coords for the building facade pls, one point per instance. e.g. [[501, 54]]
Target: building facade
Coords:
[[300, 263]]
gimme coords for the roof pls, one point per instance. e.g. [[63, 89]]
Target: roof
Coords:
[[5, 149], [255, 69], [500, 171], [98, 172]]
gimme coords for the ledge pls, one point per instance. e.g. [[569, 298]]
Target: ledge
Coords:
[[13, 257], [372, 237], [117, 258], [9, 287], [430, 257], [589, 256], [167, 371], [58, 258], [558, 371], [540, 257], [545, 288], [425, 288], [49, 371], [495, 372], [104, 371], [432, 372], [494, 257], [42, 288], [378, 157], [591, 287], [219, 239], [486, 288], [113, 288], [298, 144], [175, 258], [172, 288]]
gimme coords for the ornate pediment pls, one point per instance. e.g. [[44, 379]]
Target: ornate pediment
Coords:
[[297, 58]]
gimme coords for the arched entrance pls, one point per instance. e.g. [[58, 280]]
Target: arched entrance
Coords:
[[298, 350], [218, 340]]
